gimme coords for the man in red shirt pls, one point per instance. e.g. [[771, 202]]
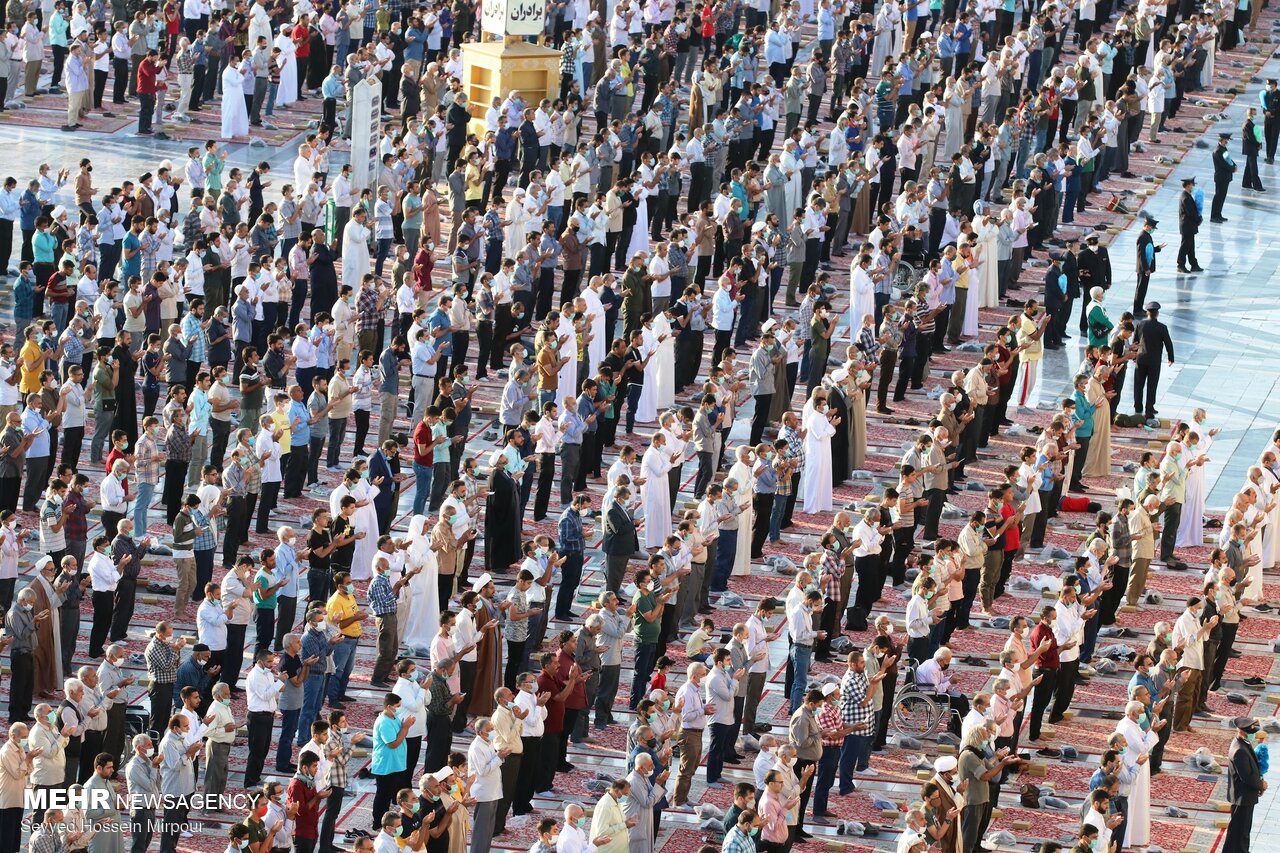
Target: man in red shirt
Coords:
[[560, 686], [1046, 668], [148, 81], [301, 36], [302, 791]]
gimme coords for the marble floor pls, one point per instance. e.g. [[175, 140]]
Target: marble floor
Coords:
[[1223, 321]]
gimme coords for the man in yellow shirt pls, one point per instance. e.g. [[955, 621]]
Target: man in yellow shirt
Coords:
[[474, 182], [1030, 331], [343, 613], [280, 420], [31, 360]]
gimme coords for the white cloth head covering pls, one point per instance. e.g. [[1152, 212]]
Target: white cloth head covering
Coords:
[[481, 582], [419, 541]]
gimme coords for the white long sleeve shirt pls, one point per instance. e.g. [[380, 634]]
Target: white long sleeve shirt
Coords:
[[211, 625], [1068, 626], [693, 715], [263, 690], [111, 493], [102, 572], [800, 626], [757, 641], [536, 714], [483, 761], [919, 622]]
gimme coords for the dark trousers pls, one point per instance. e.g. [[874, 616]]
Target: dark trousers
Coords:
[[233, 657], [103, 605], [1041, 696], [286, 609], [1169, 533], [122, 614], [570, 577], [265, 624], [1146, 377], [21, 685], [721, 746], [161, 694], [522, 802], [1066, 688], [1077, 463], [1239, 827], [646, 657]]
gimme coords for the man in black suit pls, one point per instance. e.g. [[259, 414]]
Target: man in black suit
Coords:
[[1189, 220], [1090, 276], [530, 148], [1271, 118], [456, 121], [1071, 269], [1244, 785], [1152, 338], [1250, 147], [1224, 169], [620, 540], [1055, 289], [1147, 249]]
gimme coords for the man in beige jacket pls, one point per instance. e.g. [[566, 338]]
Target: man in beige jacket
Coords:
[[1142, 538]]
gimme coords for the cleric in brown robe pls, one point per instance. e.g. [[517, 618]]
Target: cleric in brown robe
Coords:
[[944, 777], [488, 677], [47, 656]]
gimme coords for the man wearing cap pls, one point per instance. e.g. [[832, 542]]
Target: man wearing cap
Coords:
[[1270, 100], [1224, 168], [1250, 145], [1244, 784], [1147, 248], [1151, 338], [1055, 295], [1189, 219]]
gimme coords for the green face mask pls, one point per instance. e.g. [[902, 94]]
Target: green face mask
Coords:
[[53, 718], [351, 589], [396, 832]]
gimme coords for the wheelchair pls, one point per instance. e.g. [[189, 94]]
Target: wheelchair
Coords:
[[917, 713]]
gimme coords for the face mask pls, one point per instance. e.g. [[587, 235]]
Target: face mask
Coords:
[[53, 718], [396, 832], [491, 735], [666, 704], [1143, 719], [417, 807], [351, 589], [226, 701], [243, 843]]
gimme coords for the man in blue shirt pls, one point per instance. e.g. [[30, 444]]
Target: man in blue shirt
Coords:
[[1084, 433], [589, 410], [389, 390], [38, 459], [300, 422], [572, 426], [390, 753], [572, 543]]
